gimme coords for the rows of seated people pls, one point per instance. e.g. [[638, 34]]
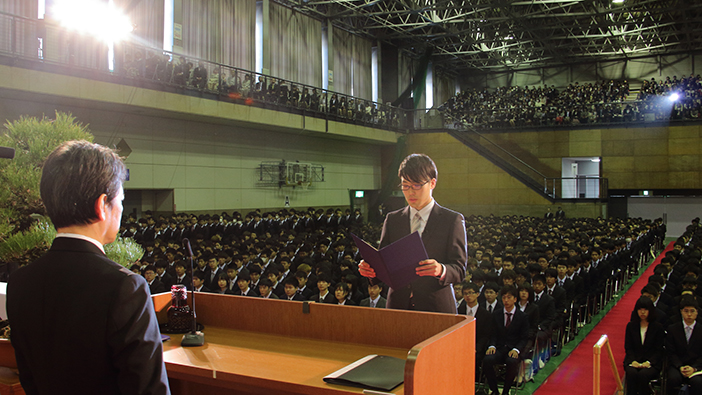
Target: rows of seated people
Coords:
[[662, 337], [551, 274], [248, 86], [601, 102], [557, 266]]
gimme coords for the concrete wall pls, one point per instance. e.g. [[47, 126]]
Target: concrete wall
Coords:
[[212, 166], [472, 185], [632, 158]]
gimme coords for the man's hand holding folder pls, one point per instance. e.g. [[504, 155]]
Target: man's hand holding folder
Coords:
[[399, 263]]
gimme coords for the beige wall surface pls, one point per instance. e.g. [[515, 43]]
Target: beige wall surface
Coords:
[[472, 185], [214, 167], [632, 158]]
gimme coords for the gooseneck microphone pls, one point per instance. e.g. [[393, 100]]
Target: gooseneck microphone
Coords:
[[195, 338]]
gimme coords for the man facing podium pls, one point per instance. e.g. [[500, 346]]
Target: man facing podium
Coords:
[[81, 323], [443, 233]]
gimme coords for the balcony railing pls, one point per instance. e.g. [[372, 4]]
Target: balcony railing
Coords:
[[45, 43]]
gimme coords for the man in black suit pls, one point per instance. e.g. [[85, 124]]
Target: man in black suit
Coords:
[[374, 298], [290, 287], [484, 322], [443, 233], [106, 330], [155, 285], [547, 310], [324, 295], [509, 337], [683, 343], [181, 277]]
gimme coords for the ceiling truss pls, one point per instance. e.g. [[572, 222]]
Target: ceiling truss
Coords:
[[498, 35]]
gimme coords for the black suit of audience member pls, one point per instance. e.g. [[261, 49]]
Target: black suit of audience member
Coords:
[[681, 353], [380, 304], [157, 287], [483, 330], [504, 340], [328, 298], [547, 316], [167, 280], [643, 359], [650, 351], [199, 76]]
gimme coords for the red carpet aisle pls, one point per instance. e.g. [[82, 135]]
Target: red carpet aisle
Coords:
[[575, 373]]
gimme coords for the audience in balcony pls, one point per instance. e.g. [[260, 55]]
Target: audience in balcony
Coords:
[[601, 102]]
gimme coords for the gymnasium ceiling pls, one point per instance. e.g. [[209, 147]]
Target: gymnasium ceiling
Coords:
[[497, 35]]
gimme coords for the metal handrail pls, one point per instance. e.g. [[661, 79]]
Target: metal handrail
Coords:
[[597, 350], [128, 66]]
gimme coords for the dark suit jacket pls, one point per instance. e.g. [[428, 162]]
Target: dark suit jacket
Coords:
[[516, 336], [483, 326], [106, 330], [547, 312], [382, 303], [297, 297], [329, 298], [680, 353], [157, 287], [444, 238], [652, 348]]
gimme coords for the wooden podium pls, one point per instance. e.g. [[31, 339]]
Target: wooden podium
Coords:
[[264, 346]]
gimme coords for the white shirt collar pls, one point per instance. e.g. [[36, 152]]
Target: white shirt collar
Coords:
[[424, 212], [692, 327], [82, 237]]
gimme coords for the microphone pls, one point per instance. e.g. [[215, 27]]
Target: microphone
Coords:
[[195, 338], [7, 153]]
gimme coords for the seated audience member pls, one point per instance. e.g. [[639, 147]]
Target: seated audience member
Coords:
[[491, 303], [162, 274], [323, 296], [355, 294], [547, 311], [643, 343], [181, 277], [303, 290], [483, 319], [290, 287], [243, 281], [222, 285], [374, 298], [199, 281], [341, 292], [683, 344], [508, 340], [457, 289], [155, 285], [265, 289], [526, 304]]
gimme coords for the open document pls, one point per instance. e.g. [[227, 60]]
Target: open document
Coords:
[[394, 264]]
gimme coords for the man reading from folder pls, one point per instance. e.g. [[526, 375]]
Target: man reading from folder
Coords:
[[444, 236]]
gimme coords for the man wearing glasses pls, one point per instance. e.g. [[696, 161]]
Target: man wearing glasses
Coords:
[[443, 233]]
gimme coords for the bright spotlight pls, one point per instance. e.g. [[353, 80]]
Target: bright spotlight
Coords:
[[92, 17], [674, 97]]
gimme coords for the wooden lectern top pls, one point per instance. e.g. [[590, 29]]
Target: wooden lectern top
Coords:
[[263, 346]]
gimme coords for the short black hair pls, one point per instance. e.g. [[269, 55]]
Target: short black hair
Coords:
[[417, 168], [510, 289], [74, 176]]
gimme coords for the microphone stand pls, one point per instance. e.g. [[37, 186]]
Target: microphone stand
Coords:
[[195, 338]]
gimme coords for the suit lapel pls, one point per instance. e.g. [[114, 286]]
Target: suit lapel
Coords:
[[432, 222]]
